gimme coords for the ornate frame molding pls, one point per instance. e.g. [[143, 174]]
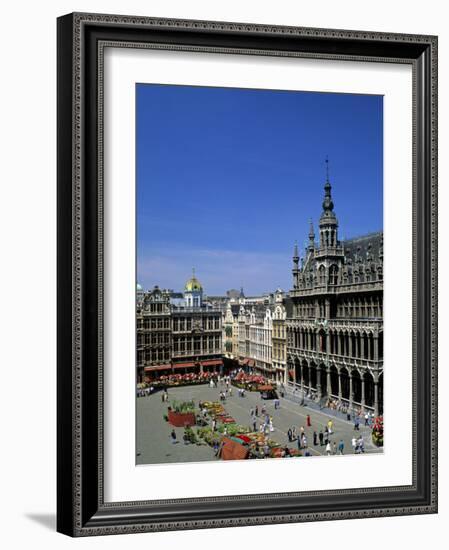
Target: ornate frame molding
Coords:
[[81, 41]]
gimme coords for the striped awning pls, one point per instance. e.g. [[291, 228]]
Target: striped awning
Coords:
[[155, 368], [183, 365], [212, 362]]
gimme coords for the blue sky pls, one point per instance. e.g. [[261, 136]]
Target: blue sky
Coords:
[[227, 180]]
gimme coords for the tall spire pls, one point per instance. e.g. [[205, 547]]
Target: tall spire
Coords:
[[311, 230], [311, 235], [328, 219], [295, 255], [328, 204]]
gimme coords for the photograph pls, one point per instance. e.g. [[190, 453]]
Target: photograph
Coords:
[[259, 274]]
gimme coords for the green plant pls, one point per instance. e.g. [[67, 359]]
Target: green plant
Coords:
[[183, 406]]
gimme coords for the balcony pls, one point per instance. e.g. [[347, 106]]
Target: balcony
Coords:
[[329, 358]]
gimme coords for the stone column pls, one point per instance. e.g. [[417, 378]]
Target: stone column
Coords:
[[376, 397], [351, 396], [328, 342], [362, 399], [350, 345], [339, 385], [339, 343], [376, 347], [318, 382], [328, 381]]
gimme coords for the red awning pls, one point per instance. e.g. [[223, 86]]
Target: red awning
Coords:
[[212, 362], [155, 368], [183, 365]]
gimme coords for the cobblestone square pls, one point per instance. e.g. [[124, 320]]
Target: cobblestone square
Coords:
[[154, 445]]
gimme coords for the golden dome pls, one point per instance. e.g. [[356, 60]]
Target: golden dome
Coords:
[[193, 285]]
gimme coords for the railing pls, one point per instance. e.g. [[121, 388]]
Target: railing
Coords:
[[329, 251], [339, 288], [323, 357], [195, 309], [195, 353], [321, 322], [193, 329]]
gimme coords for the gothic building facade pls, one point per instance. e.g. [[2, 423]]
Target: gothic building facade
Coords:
[[177, 335], [335, 322], [262, 336]]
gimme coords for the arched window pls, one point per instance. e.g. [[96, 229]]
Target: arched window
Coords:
[[333, 275], [322, 275]]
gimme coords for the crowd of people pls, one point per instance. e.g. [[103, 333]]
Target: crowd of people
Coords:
[[307, 437]]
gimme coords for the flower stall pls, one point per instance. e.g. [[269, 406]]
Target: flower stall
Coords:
[[377, 433], [182, 414]]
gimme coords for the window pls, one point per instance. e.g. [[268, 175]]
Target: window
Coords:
[[333, 275], [322, 275]]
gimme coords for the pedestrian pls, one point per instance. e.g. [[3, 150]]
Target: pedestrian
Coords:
[[257, 410], [299, 444], [366, 419], [304, 441], [334, 448], [254, 425], [341, 446], [315, 438], [330, 426], [173, 436], [309, 423], [321, 437], [328, 449], [357, 423], [361, 444], [271, 424], [354, 444], [289, 434], [294, 434]]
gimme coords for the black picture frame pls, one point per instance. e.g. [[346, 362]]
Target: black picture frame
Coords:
[[81, 509]]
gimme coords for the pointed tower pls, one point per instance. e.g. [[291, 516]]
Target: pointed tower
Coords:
[[311, 245], [295, 256], [328, 219]]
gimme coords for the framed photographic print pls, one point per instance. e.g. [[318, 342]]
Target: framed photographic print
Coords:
[[247, 284]]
